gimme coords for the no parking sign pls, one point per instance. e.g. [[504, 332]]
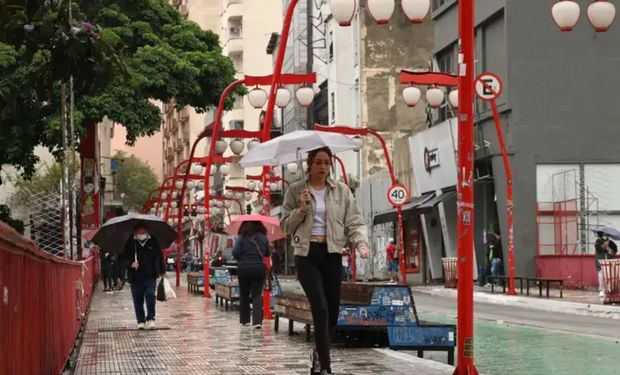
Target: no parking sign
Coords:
[[488, 86]]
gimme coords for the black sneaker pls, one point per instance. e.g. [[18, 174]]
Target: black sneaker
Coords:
[[326, 372], [315, 368]]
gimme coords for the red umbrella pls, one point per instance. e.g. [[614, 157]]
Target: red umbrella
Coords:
[[272, 225]]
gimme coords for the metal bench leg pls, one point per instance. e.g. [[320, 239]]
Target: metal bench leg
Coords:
[[451, 356], [291, 322], [226, 305], [527, 283], [307, 332], [276, 322], [548, 289], [540, 288], [561, 288], [420, 353]]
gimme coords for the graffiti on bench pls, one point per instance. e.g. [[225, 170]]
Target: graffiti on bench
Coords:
[[389, 306], [428, 336]]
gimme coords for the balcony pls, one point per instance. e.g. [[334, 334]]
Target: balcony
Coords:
[[234, 38], [232, 9]]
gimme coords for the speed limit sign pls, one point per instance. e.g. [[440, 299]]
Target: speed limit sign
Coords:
[[398, 195]]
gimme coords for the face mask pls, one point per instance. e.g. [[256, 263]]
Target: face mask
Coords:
[[605, 238], [141, 237]]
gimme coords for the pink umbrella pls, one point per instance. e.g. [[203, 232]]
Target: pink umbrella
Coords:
[[274, 232]]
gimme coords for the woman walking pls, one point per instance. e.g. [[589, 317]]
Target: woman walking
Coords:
[[250, 249], [322, 215]]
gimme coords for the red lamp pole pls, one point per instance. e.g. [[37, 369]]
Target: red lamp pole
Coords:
[[509, 200], [342, 168], [465, 192], [347, 130], [214, 136]]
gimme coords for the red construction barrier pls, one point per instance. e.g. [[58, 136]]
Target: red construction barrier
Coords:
[[42, 301]]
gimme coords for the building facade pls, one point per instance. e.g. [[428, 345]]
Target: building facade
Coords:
[[558, 119]]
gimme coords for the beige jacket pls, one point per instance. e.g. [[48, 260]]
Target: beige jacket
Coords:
[[345, 222]]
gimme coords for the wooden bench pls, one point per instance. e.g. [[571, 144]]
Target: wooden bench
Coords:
[[543, 280], [195, 281], [226, 293], [489, 279], [294, 307], [383, 313]]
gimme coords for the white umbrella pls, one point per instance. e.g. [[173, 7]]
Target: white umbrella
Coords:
[[289, 147]]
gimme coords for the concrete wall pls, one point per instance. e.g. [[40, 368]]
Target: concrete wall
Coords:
[[558, 105], [385, 50]]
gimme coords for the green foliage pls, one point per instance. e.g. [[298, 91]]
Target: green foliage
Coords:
[[47, 180], [134, 180], [121, 55]]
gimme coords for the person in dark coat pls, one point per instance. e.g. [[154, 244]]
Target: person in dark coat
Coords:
[[250, 249], [144, 256], [106, 271], [495, 254], [218, 261], [604, 248]]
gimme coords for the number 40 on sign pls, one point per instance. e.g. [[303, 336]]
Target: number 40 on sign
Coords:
[[398, 195]]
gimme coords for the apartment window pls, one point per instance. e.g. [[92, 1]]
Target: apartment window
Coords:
[[332, 104], [331, 46], [236, 125], [446, 63]]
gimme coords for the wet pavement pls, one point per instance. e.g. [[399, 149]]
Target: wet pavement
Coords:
[[194, 336]]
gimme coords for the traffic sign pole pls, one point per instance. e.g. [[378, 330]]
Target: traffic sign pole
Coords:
[[398, 195]]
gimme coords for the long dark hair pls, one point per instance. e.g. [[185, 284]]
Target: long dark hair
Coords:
[[312, 155], [252, 228]]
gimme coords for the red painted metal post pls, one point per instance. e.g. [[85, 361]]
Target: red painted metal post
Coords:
[[465, 192], [214, 135], [509, 200], [347, 130], [275, 80], [342, 168]]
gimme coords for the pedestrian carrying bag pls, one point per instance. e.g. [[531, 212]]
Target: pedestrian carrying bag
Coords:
[[267, 285], [161, 290], [170, 294]]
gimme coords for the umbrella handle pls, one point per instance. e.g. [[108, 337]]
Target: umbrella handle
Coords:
[[301, 166]]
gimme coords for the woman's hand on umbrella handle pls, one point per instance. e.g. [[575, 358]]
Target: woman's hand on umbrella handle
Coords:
[[135, 265], [364, 251], [304, 198]]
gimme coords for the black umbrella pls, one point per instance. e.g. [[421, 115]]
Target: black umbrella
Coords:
[[611, 232], [113, 235]]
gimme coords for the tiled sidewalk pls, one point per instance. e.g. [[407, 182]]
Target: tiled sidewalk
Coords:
[[195, 336]]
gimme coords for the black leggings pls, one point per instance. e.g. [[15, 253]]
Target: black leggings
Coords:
[[320, 276]]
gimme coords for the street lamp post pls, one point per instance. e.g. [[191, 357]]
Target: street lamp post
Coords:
[[417, 10], [347, 130]]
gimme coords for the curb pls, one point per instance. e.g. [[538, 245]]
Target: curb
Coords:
[[566, 307]]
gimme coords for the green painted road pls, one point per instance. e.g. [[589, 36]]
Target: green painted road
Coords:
[[502, 349]]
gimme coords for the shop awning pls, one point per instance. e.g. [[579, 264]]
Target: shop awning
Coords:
[[437, 199], [391, 215]]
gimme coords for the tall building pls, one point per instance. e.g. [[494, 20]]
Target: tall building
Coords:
[[559, 122], [244, 28]]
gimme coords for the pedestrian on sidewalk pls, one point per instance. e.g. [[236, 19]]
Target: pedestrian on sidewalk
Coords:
[[144, 256], [250, 250], [604, 248], [391, 259], [495, 255], [107, 271], [322, 215]]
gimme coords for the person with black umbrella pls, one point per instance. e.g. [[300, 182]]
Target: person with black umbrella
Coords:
[[604, 248], [144, 256]]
